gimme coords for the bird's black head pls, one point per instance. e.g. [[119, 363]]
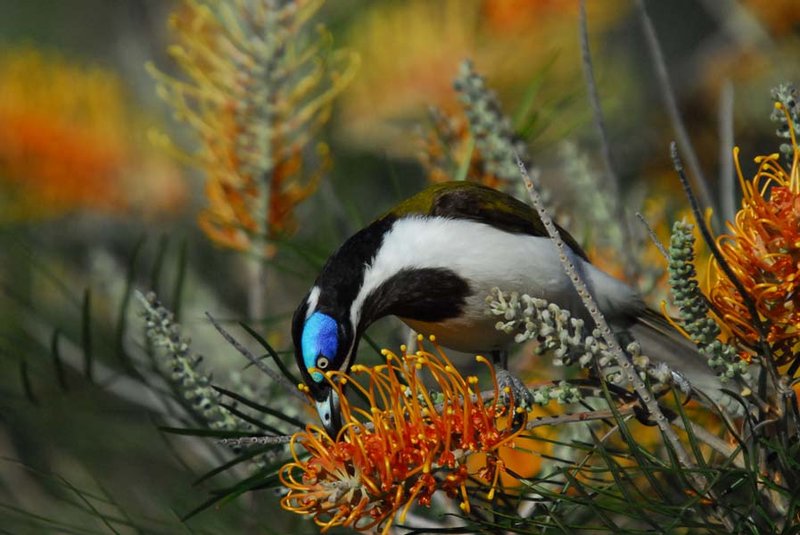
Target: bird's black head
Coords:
[[324, 341], [325, 328]]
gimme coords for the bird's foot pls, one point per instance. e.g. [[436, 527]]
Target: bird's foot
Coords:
[[514, 395]]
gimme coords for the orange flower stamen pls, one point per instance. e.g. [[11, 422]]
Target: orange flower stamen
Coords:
[[763, 250], [406, 446]]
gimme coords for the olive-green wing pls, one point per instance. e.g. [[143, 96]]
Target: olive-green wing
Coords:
[[468, 200]]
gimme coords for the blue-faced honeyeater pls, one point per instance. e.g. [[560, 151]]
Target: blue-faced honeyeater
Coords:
[[432, 261]]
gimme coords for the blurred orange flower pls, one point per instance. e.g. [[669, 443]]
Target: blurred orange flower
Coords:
[[763, 249], [409, 443], [71, 140], [780, 16]]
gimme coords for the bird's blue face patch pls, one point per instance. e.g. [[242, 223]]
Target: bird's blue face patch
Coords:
[[320, 339]]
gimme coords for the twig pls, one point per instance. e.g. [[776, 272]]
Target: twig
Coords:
[[276, 376], [260, 440], [716, 443], [727, 184], [256, 274], [577, 417], [254, 262], [608, 336], [668, 95], [630, 264], [615, 350], [653, 237], [255, 441]]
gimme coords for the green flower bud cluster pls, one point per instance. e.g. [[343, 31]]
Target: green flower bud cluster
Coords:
[[554, 328], [595, 204], [563, 336], [562, 393], [185, 368], [787, 95], [494, 137], [693, 307]]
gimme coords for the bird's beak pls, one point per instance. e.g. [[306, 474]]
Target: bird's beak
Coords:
[[329, 413]]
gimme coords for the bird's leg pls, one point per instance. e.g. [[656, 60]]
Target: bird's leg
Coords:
[[513, 392], [500, 358]]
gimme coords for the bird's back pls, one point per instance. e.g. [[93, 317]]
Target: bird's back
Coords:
[[475, 202]]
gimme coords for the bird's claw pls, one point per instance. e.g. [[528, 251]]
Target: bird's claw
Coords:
[[514, 395]]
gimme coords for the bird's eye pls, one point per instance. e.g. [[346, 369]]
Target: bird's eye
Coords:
[[322, 363]]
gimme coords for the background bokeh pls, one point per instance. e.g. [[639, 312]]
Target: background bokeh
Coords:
[[94, 201]]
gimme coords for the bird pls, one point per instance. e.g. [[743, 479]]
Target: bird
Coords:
[[432, 260]]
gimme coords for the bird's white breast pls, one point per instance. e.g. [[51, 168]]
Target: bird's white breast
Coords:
[[486, 257]]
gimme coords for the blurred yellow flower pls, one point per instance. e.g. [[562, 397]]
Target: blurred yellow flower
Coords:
[[663, 206], [409, 443], [763, 249], [256, 91], [411, 51], [70, 139]]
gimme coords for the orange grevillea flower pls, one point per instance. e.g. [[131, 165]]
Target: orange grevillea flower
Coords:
[[255, 91], [763, 249], [70, 140], [409, 443]]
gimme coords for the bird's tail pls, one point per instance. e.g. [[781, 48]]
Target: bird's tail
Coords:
[[661, 342]]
